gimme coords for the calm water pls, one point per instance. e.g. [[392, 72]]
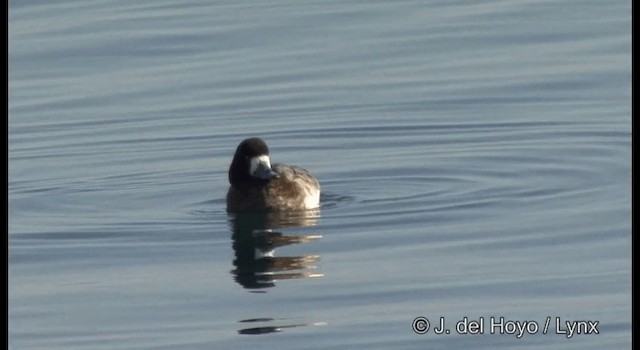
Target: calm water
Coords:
[[474, 158]]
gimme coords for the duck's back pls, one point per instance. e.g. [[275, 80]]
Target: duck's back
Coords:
[[294, 189]]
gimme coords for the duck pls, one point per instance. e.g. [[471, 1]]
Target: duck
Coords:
[[256, 185]]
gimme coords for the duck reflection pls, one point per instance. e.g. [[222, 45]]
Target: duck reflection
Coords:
[[254, 243], [266, 329]]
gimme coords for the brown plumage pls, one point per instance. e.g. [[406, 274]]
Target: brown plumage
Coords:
[[256, 186]]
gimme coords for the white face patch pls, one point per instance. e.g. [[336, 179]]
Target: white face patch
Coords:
[[256, 161]]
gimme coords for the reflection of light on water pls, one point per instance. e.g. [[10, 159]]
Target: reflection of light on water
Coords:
[[273, 329], [255, 240]]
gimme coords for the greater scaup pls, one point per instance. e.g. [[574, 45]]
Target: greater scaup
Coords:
[[258, 186]]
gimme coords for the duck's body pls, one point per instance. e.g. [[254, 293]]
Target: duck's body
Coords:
[[256, 186]]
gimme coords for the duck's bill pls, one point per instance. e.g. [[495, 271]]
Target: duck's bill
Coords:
[[261, 168]]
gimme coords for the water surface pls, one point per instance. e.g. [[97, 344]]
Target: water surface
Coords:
[[474, 159]]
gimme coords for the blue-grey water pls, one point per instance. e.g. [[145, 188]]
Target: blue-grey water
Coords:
[[474, 158]]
